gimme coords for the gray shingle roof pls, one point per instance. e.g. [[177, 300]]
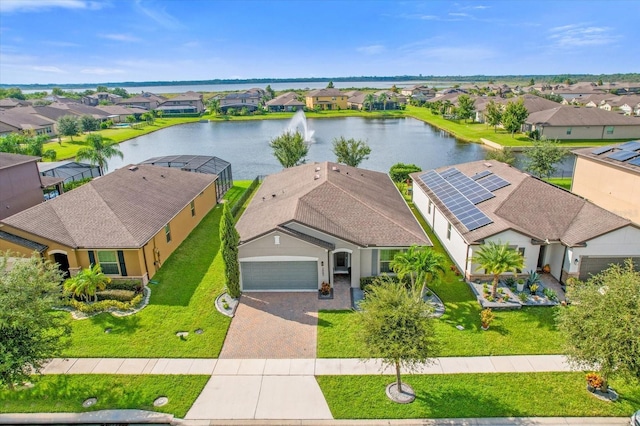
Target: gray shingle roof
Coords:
[[356, 205], [531, 207], [123, 209], [576, 116], [10, 160]]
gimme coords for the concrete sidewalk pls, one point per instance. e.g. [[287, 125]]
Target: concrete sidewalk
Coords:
[[301, 367]]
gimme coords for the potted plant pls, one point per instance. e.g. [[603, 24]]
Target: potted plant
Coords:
[[533, 288], [325, 289], [520, 285], [546, 268], [486, 318], [532, 278]]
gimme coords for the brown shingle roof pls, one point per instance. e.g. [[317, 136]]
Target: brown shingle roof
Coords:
[[531, 207], [325, 92], [123, 209], [10, 160], [576, 116], [356, 205]]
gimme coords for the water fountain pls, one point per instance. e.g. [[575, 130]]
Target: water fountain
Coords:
[[298, 123]]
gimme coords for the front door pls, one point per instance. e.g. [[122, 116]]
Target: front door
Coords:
[[341, 263], [543, 250], [63, 263]]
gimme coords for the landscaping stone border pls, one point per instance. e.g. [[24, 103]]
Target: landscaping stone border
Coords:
[[231, 302], [77, 315], [514, 301]]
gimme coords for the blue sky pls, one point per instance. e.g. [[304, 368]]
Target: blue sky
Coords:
[[91, 41]]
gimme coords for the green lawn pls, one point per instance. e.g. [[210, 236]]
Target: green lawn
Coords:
[[475, 395], [65, 393], [561, 182], [525, 331], [188, 283], [472, 132]]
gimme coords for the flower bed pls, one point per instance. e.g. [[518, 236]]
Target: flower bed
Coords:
[[510, 298]]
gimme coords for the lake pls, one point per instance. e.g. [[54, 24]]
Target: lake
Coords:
[[245, 144]]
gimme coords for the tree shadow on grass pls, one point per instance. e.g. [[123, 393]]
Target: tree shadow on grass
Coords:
[[116, 325], [542, 317]]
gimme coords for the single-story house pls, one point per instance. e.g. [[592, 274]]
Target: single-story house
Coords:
[[128, 221], [609, 176], [119, 113], [569, 122], [391, 101], [309, 222], [531, 102], [473, 203], [20, 119], [285, 102]]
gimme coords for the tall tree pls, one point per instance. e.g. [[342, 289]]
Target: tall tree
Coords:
[[270, 92], [29, 333], [514, 116], [69, 125], [601, 327], [382, 98], [120, 92], [397, 326], [496, 259], [466, 107], [330, 84], [289, 149], [229, 239], [369, 100], [493, 114], [350, 151], [504, 155], [89, 124], [98, 151], [543, 157], [16, 143]]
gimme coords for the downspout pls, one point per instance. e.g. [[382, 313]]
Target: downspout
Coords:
[[330, 275], [564, 258], [466, 263], [144, 257]]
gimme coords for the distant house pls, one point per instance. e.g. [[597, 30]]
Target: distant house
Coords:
[[470, 204], [97, 98], [609, 176], [286, 102], [392, 101], [250, 99], [185, 103], [326, 99], [21, 119], [532, 103], [568, 122], [419, 92], [20, 183], [8, 103], [311, 222], [147, 101], [119, 113], [129, 221]]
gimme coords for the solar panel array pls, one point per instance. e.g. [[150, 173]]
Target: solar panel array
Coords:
[[449, 172], [481, 174], [469, 188], [635, 161], [493, 182], [630, 146], [602, 150], [623, 155], [459, 205]]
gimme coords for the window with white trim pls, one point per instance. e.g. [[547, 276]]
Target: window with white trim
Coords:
[[386, 256], [108, 261]]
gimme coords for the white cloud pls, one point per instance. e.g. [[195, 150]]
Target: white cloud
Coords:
[[50, 69], [61, 43], [101, 71], [44, 5], [579, 35], [373, 49], [120, 37], [159, 15]]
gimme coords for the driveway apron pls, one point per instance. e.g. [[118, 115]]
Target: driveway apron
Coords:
[[273, 325]]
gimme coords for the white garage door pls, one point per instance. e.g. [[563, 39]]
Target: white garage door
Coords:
[[594, 265], [282, 276]]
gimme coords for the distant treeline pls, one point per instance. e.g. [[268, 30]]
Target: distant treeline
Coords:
[[629, 77]]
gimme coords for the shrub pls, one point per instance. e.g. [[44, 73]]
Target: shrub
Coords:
[[76, 183], [119, 295], [105, 305], [399, 172], [550, 294], [594, 380], [366, 282], [132, 285], [523, 297], [510, 281], [486, 317]]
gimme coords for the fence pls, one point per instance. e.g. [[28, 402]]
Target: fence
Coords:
[[245, 196]]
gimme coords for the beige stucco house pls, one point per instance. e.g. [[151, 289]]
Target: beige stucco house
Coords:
[[610, 177], [311, 222], [326, 99], [20, 183], [128, 221]]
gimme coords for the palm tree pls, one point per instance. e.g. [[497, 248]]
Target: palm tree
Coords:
[[87, 282], [383, 100], [369, 100], [421, 264], [496, 259], [98, 151]]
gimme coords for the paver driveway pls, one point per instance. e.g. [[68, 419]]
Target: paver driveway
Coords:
[[273, 325]]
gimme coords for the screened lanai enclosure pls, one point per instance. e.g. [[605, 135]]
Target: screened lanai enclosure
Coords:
[[199, 164]]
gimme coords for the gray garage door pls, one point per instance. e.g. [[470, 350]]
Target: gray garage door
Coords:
[[593, 265], [265, 276]]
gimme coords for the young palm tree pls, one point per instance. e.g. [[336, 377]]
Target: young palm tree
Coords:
[[497, 259], [421, 264], [98, 151], [369, 100], [87, 282]]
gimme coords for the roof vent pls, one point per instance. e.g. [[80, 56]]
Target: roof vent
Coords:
[[144, 177], [273, 195], [488, 164], [161, 176], [133, 168], [317, 169], [335, 169], [316, 177]]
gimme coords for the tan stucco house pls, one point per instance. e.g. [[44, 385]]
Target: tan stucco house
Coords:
[[20, 183], [311, 222], [610, 177], [326, 99], [128, 221]]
